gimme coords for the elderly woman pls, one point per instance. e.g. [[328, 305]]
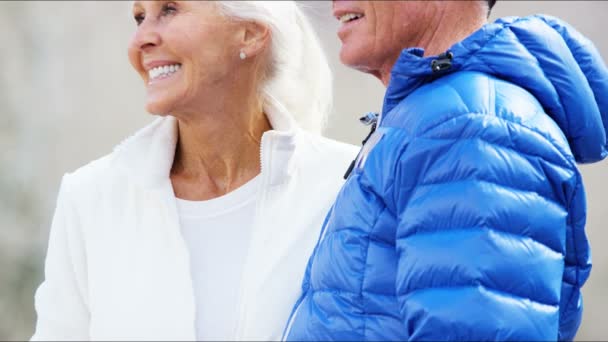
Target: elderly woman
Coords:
[[200, 225]]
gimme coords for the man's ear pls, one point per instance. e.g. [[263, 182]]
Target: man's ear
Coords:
[[255, 38]]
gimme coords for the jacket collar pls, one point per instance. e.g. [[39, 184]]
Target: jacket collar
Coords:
[[541, 54], [413, 70], [147, 156]]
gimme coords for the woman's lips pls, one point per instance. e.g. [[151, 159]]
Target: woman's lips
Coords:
[[162, 72]]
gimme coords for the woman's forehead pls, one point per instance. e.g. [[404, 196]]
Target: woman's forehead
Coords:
[[158, 3], [145, 3]]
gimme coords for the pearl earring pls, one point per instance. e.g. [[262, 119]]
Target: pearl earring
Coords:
[[242, 55]]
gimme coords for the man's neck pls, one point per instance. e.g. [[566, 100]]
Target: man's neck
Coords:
[[446, 29]]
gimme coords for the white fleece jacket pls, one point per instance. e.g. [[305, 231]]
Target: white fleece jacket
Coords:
[[117, 267]]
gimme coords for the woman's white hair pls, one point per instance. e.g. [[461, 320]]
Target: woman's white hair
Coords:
[[299, 75]]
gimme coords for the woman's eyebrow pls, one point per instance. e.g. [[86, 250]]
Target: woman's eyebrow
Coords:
[[136, 5]]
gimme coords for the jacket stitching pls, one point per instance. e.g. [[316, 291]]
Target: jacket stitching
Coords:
[[575, 46], [368, 240], [352, 293], [430, 129], [490, 182], [548, 138], [509, 27], [374, 238], [510, 148], [570, 165], [502, 292], [576, 265], [557, 91], [444, 230]]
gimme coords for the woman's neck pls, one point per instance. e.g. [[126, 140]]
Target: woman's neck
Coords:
[[218, 150]]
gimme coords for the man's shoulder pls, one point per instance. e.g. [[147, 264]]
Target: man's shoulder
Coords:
[[477, 106], [469, 96]]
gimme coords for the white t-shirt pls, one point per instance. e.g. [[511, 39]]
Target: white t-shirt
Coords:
[[217, 233]]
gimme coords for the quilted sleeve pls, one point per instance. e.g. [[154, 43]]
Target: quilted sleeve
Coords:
[[482, 204], [61, 299]]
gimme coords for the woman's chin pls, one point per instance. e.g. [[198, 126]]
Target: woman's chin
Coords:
[[158, 108]]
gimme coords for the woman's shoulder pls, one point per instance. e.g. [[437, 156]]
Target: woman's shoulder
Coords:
[[93, 171], [134, 158], [91, 178], [318, 153], [327, 147], [81, 190]]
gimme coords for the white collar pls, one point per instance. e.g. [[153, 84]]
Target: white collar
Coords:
[[148, 155]]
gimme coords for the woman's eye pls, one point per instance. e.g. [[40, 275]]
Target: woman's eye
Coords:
[[139, 18], [169, 8]]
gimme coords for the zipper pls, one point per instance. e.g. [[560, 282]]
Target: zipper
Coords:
[[240, 312], [168, 195], [292, 318], [296, 307], [368, 119], [265, 135]]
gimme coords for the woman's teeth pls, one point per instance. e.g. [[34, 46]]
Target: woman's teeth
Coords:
[[163, 71], [350, 17]]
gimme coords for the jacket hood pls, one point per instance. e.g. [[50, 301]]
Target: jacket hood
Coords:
[[541, 54]]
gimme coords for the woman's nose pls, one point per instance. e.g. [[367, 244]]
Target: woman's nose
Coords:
[[146, 36]]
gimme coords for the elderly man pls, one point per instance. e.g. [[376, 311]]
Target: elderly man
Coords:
[[463, 215]]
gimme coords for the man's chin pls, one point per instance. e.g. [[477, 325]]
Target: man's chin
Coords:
[[358, 61], [352, 58]]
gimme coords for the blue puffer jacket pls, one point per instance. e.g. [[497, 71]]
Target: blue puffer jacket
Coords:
[[464, 216]]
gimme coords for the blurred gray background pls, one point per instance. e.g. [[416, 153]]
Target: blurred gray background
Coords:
[[68, 95]]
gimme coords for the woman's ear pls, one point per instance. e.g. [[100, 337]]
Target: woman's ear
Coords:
[[255, 38]]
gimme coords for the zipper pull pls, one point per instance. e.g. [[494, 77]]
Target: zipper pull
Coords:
[[443, 62], [370, 118], [350, 169]]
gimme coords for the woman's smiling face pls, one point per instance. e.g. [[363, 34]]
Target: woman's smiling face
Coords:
[[181, 50]]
